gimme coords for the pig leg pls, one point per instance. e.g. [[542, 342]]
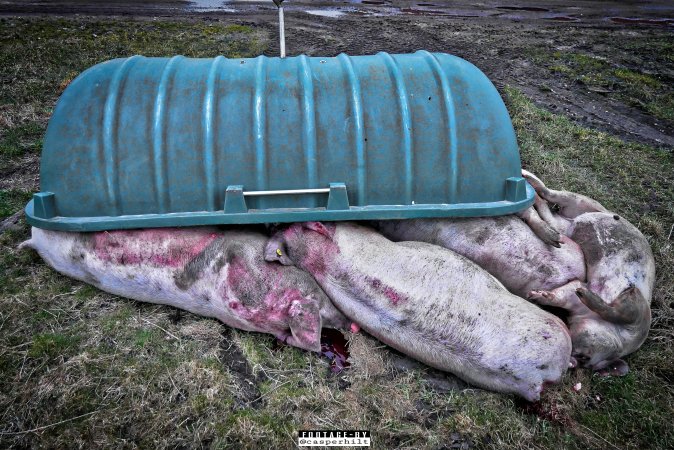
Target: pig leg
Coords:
[[556, 221], [26, 244], [563, 297], [626, 308], [541, 228], [571, 204], [543, 209]]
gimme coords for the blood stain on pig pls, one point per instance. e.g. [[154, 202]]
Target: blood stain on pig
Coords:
[[391, 294], [159, 248]]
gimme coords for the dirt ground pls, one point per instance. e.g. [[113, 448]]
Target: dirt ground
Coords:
[[502, 39]]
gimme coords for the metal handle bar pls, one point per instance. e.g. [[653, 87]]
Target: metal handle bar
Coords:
[[235, 197]]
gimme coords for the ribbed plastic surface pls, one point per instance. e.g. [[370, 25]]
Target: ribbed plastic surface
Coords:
[[143, 142]]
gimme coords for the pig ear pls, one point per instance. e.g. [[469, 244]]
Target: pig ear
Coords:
[[319, 227], [276, 251]]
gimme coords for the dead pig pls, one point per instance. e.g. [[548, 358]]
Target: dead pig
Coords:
[[504, 246], [610, 315], [431, 304], [209, 272]]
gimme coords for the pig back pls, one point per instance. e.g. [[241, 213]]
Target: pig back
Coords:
[[503, 246]]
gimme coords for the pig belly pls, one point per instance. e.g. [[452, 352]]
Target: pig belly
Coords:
[[447, 312], [503, 246], [618, 256]]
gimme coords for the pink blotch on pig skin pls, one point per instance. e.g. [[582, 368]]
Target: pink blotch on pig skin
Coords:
[[237, 274], [317, 253], [274, 308], [393, 296], [164, 247]]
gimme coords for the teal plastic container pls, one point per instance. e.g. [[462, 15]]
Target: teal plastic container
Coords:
[[156, 142]]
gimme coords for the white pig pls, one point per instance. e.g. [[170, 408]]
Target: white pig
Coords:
[[504, 246], [207, 271], [609, 315], [431, 304]]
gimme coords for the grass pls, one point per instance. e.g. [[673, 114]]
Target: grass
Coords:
[[12, 200], [82, 368], [650, 90]]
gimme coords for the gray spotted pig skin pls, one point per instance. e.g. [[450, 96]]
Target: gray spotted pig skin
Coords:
[[431, 304], [610, 314], [505, 246], [207, 271]]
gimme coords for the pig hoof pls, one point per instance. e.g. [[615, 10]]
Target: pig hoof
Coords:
[[551, 236], [540, 296], [355, 328], [545, 298], [573, 362]]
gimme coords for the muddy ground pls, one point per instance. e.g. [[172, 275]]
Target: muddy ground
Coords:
[[518, 45]]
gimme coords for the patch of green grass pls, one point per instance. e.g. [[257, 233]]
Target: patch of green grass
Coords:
[[626, 409], [117, 319], [142, 337], [12, 200], [22, 139], [52, 345], [653, 94], [595, 163], [86, 292]]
